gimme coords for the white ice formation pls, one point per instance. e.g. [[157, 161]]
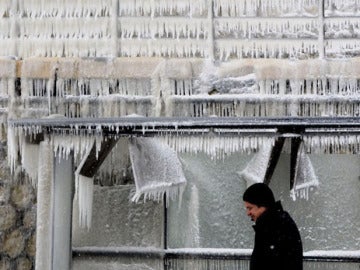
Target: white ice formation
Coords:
[[221, 29], [305, 177], [157, 170], [256, 169]]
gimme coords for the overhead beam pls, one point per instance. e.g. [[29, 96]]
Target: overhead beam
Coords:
[[150, 126]]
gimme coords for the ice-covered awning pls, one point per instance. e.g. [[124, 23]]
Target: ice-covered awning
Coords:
[[207, 134], [157, 126], [211, 135]]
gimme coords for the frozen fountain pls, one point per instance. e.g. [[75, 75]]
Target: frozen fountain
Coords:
[[216, 89]]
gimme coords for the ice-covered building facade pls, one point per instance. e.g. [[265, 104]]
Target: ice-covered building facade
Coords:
[[183, 103]]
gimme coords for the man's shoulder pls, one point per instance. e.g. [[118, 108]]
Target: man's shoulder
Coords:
[[286, 221]]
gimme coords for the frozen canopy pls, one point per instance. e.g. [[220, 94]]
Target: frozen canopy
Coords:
[[93, 139], [327, 134]]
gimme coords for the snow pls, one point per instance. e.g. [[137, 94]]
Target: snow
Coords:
[[333, 253]]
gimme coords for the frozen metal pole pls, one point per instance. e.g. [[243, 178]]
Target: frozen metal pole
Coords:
[[321, 38], [43, 219], [63, 179], [114, 27]]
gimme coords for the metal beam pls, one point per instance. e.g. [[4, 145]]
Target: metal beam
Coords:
[[157, 126], [225, 254], [295, 145], [63, 190], [274, 158]]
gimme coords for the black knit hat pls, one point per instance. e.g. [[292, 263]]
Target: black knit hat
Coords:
[[259, 194]]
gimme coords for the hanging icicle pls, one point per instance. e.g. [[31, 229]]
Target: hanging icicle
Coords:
[[84, 192], [163, 8], [215, 146], [13, 147], [332, 144]]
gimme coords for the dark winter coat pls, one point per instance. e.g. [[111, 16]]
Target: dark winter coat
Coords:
[[277, 242]]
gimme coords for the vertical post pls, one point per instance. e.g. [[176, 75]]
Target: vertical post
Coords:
[[165, 222], [15, 19], [165, 231], [63, 179], [114, 26], [321, 21], [43, 219]]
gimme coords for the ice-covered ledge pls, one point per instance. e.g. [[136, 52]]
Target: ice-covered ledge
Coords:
[[141, 67], [345, 255], [163, 125]]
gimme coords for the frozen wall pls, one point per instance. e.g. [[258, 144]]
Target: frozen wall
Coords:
[[117, 222], [328, 219]]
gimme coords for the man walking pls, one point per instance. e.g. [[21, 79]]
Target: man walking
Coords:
[[278, 243]]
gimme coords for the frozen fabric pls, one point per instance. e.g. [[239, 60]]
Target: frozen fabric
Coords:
[[256, 169], [305, 176], [157, 169]]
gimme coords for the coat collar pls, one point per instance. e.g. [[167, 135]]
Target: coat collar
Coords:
[[268, 215]]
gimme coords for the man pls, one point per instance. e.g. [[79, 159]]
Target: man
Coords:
[[277, 239]]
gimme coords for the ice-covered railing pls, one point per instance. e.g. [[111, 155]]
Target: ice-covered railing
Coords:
[[268, 8], [34, 8], [255, 27], [339, 7], [107, 87], [54, 28], [218, 29], [101, 87], [270, 88]]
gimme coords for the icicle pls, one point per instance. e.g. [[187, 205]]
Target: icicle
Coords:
[[164, 48], [63, 145], [216, 147], [265, 48], [332, 144], [84, 191], [192, 238], [30, 160], [162, 8], [84, 187], [13, 147]]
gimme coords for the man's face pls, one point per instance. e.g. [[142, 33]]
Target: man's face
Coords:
[[254, 211]]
